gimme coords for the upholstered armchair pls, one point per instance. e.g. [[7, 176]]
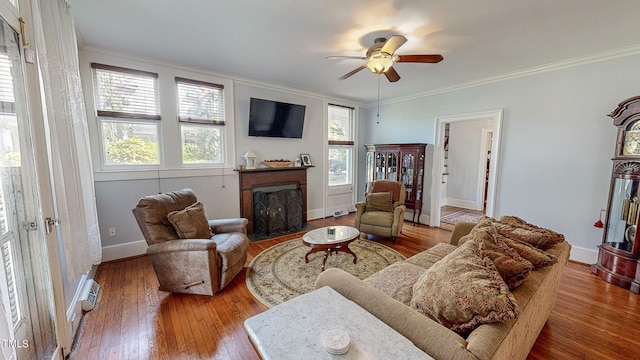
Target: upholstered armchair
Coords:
[[190, 254], [382, 212]]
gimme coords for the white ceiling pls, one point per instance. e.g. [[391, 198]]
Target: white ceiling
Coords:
[[285, 42]]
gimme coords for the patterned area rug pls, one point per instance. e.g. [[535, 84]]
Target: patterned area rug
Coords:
[[279, 273], [458, 216]]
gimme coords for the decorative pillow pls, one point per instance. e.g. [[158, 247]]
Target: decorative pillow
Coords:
[[379, 201], [484, 221], [539, 237], [463, 291], [513, 268], [537, 257], [191, 222]]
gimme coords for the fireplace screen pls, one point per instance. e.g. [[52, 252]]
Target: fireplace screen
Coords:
[[277, 212]]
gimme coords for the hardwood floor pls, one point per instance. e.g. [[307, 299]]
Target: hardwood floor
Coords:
[[133, 320]]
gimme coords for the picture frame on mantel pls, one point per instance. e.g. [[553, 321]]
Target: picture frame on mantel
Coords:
[[306, 160]]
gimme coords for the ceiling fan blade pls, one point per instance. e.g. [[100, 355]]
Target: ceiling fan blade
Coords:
[[392, 75], [393, 43], [346, 57], [420, 58], [352, 72]]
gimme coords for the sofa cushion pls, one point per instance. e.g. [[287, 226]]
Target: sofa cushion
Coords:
[[427, 258], [464, 290], [515, 228], [537, 236], [537, 257], [513, 268], [191, 222], [379, 201], [396, 280]]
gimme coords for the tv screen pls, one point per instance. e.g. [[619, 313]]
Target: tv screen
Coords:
[[275, 119]]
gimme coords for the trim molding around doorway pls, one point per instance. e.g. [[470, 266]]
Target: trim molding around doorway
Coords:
[[438, 161]]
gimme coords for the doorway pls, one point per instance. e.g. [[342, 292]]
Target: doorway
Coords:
[[442, 175]]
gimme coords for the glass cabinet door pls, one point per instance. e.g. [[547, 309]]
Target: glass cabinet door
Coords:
[[407, 174], [392, 167], [370, 163], [420, 173], [380, 166], [622, 220]]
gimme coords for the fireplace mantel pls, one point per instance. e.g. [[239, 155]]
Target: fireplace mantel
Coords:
[[263, 177]]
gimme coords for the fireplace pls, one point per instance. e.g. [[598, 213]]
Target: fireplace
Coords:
[[269, 181], [277, 212]]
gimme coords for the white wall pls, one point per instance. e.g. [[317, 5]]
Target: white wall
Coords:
[[556, 141], [465, 138]]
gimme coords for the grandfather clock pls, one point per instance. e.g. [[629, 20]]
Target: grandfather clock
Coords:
[[618, 254]]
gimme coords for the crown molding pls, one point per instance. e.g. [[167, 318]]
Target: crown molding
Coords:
[[234, 78], [559, 65]]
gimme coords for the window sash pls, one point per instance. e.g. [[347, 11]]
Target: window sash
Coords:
[[215, 150], [126, 93], [340, 167], [124, 156], [200, 102]]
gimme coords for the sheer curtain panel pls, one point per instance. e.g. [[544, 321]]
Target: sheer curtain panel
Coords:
[[57, 50]]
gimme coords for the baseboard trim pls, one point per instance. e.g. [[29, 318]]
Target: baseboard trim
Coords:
[[74, 313], [315, 214], [121, 251], [465, 204], [583, 255]]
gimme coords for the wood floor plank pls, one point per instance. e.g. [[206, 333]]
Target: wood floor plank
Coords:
[[134, 320]]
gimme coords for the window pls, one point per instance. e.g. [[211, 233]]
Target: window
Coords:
[[10, 163], [201, 116], [128, 110], [341, 142]]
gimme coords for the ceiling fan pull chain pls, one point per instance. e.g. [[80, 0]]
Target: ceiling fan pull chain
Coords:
[[378, 115]]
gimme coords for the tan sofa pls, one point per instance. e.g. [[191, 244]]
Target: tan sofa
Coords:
[[511, 339]]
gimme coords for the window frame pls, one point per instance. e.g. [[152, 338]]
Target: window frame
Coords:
[[215, 124], [342, 144], [126, 117]]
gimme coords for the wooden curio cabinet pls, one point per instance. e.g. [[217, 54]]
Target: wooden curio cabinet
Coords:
[[619, 252], [399, 162]]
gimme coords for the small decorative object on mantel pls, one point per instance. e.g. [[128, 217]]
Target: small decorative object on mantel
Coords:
[[297, 162], [250, 159], [279, 163], [306, 160]]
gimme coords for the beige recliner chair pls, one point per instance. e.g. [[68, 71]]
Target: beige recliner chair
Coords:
[[382, 212], [190, 254]]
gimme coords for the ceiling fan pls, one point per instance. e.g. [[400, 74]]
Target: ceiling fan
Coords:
[[381, 57]]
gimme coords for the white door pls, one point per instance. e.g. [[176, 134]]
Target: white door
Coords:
[[25, 285]]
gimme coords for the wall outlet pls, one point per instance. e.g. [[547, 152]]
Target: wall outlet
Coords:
[[112, 232]]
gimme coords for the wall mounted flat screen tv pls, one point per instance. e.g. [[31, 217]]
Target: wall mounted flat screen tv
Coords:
[[275, 119]]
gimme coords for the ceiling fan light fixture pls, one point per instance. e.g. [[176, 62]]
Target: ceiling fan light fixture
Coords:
[[380, 63]]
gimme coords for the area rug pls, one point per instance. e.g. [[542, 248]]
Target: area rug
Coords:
[[279, 273], [459, 216]]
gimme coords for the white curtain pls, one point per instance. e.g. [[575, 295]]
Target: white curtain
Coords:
[[70, 154]]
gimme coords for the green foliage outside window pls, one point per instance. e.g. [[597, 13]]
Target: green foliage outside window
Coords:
[[133, 150]]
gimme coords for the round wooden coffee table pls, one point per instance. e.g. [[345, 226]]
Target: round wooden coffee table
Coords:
[[330, 239]]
